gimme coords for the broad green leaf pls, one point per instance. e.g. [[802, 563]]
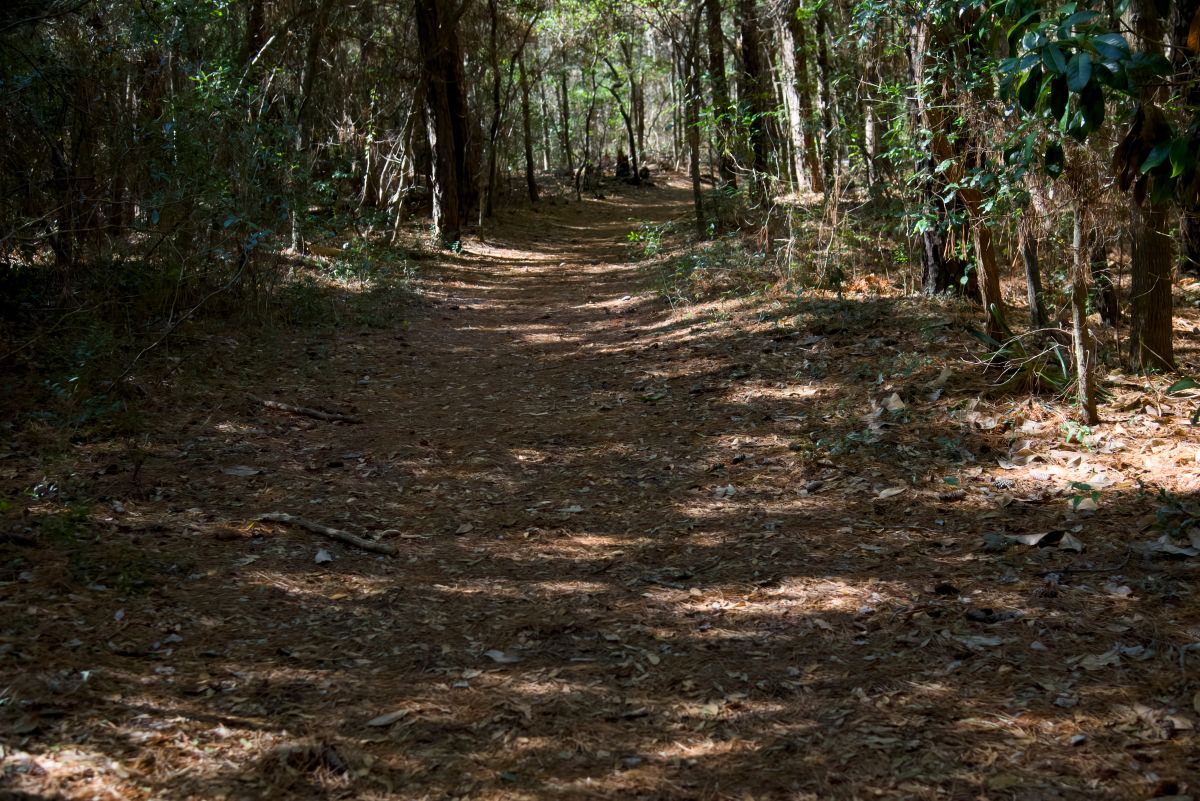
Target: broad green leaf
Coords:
[[1077, 19], [1091, 102], [1053, 58], [1157, 156], [1181, 157], [1079, 71], [1182, 384], [1058, 96], [1027, 92], [1111, 46]]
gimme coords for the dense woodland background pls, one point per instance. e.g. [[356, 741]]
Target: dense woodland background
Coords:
[[163, 160]]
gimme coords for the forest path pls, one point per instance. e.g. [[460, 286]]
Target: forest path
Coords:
[[621, 572]]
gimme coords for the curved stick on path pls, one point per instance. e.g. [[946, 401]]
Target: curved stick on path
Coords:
[[331, 417], [332, 533]]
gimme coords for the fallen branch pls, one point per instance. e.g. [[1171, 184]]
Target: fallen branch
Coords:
[[332, 417], [332, 533]]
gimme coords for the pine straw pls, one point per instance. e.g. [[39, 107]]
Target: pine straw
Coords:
[[552, 458]]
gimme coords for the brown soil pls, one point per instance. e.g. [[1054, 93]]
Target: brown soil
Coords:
[[642, 554]]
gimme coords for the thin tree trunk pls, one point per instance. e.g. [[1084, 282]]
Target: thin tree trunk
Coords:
[[1080, 340], [1028, 244], [625, 116], [547, 155], [824, 81], [303, 103], [1102, 278], [489, 199], [564, 100], [693, 121], [527, 129]]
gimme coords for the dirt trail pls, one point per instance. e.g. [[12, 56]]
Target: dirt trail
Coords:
[[615, 580]]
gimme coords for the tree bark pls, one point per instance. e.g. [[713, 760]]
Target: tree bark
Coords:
[[693, 122], [816, 181], [1151, 345], [527, 129], [446, 120], [753, 91], [1027, 240], [788, 85], [1080, 339], [303, 103], [625, 116], [564, 107], [720, 92], [824, 72]]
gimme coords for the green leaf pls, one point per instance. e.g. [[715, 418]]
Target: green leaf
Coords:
[[1053, 58], [1182, 384], [1091, 103], [1111, 46], [1181, 157], [1079, 71], [1058, 96], [1027, 92], [1077, 19], [1157, 156]]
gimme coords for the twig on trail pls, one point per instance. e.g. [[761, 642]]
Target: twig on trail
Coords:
[[307, 412], [332, 533]]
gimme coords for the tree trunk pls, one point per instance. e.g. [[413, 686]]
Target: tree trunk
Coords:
[[816, 181], [1102, 278], [564, 107], [446, 122], [720, 92], [625, 116], [693, 122], [527, 129], [1080, 339], [489, 200], [791, 96], [754, 95], [1151, 343], [547, 155], [303, 103], [824, 72], [1028, 243], [935, 273]]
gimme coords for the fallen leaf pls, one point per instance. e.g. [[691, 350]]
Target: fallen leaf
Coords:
[[570, 510], [388, 719], [500, 657], [890, 492], [240, 470], [1100, 661]]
